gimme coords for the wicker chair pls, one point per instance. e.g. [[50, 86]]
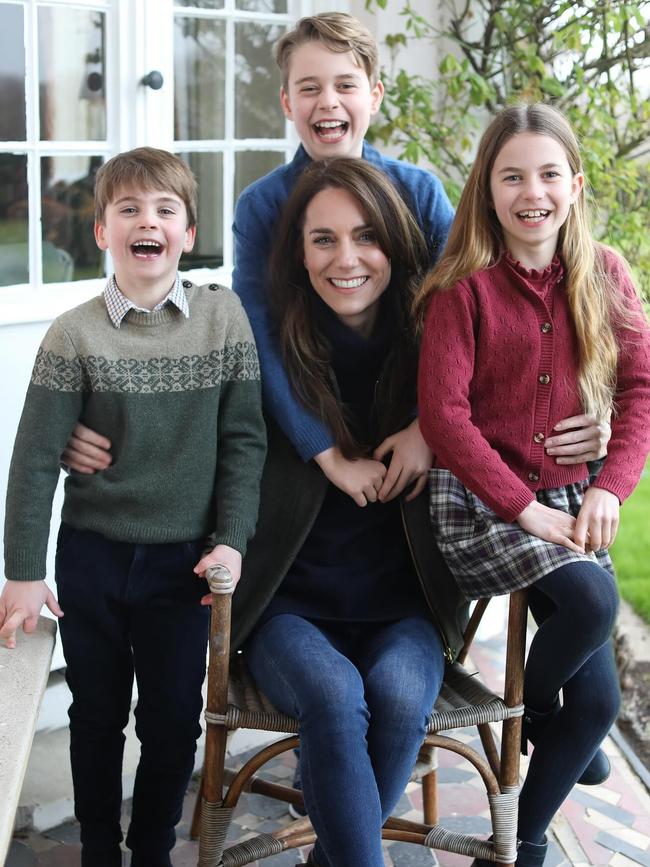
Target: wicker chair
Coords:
[[233, 701]]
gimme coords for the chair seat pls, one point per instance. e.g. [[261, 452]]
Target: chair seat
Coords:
[[463, 701]]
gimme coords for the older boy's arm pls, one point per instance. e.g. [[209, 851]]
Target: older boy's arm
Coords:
[[252, 235]]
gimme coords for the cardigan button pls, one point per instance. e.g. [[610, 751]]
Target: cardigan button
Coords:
[[544, 378], [546, 327], [213, 286], [187, 284], [533, 477], [538, 438]]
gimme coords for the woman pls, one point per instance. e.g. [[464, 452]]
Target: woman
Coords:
[[333, 605]]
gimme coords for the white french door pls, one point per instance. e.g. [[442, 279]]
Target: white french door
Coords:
[[81, 80]]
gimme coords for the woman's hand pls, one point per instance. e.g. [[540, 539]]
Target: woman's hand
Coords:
[[410, 462], [597, 521], [553, 525], [86, 451], [20, 605], [584, 439], [221, 555], [361, 479]]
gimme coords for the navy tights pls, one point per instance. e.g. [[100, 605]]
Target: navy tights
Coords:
[[575, 609]]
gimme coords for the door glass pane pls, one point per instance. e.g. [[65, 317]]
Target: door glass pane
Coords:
[[14, 254], [200, 4], [69, 249], [199, 79], [251, 165], [71, 74], [262, 5], [258, 80], [208, 248], [12, 74]]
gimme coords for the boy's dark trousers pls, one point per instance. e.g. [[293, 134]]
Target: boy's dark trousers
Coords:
[[131, 609]]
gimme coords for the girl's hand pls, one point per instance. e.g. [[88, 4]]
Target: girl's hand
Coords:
[[361, 479], [553, 525], [86, 451], [20, 604], [584, 439], [410, 462], [221, 555], [597, 521]]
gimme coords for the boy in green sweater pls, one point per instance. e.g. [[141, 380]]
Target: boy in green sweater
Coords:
[[169, 371]]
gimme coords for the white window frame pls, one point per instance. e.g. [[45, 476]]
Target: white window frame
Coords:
[[139, 38]]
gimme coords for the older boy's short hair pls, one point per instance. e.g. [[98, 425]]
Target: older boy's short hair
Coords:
[[339, 32], [146, 169]]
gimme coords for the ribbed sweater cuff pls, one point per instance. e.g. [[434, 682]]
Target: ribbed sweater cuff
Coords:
[[24, 564], [516, 505], [614, 484], [310, 446], [235, 534]]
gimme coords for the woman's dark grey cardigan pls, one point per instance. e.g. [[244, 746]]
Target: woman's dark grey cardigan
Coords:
[[292, 492]]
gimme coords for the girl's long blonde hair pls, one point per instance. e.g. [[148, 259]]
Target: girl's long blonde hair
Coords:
[[476, 242]]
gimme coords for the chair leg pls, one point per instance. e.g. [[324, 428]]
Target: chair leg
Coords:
[[505, 839], [514, 689], [195, 827], [430, 797], [490, 748]]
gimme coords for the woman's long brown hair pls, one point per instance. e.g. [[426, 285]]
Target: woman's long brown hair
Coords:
[[306, 352]]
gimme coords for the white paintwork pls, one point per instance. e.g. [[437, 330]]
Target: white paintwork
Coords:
[[23, 675]]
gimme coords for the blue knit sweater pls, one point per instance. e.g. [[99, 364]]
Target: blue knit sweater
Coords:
[[256, 215]]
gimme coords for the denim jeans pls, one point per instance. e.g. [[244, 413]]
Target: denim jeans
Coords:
[[131, 609], [362, 695]]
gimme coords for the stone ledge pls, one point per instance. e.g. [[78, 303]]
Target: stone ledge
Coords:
[[23, 676]]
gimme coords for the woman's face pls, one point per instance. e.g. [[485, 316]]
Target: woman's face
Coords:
[[346, 265]]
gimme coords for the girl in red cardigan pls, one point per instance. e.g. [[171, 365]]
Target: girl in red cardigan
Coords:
[[528, 321]]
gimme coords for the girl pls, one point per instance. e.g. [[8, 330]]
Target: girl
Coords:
[[530, 320]]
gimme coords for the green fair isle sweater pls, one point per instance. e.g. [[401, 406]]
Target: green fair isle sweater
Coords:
[[180, 401]]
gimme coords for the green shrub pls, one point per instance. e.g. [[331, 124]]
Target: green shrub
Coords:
[[590, 58]]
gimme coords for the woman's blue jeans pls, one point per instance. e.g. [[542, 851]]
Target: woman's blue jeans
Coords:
[[362, 695]]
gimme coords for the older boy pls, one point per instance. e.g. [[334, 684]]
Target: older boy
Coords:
[[169, 372], [330, 90]]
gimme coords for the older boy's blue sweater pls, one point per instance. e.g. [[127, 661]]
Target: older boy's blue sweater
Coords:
[[256, 215]]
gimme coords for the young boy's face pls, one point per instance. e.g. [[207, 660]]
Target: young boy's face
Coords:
[[146, 232], [330, 100]]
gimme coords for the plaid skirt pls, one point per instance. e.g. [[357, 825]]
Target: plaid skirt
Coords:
[[489, 556]]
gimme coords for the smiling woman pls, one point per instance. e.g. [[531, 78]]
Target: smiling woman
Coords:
[[347, 268], [348, 241], [330, 639]]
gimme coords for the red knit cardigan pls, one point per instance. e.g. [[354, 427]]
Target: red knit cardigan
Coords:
[[498, 369]]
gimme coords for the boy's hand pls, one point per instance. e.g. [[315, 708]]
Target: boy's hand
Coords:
[[410, 462], [86, 451], [597, 521], [553, 525], [361, 479], [584, 439], [20, 604], [221, 555]]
